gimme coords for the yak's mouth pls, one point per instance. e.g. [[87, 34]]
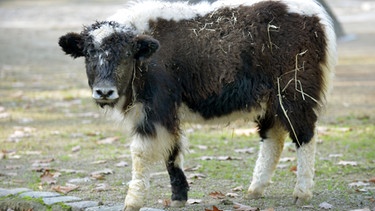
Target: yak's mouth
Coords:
[[102, 103]]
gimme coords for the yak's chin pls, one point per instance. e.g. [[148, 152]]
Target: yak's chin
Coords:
[[104, 103]]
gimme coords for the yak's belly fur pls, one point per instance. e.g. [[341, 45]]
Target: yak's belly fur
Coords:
[[186, 115]]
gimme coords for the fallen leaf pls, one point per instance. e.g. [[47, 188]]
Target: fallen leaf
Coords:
[[232, 195], [76, 149], [122, 164], [214, 208], [193, 168], [207, 158], [238, 188], [197, 176], [47, 160], [325, 206], [246, 132], [99, 162], [241, 207], [372, 180], [47, 178], [358, 184], [346, 163], [223, 158], [165, 202], [217, 195], [80, 180], [108, 140], [293, 169], [99, 175], [12, 167], [364, 209], [102, 187], [335, 155], [246, 150], [202, 147], [194, 201], [65, 189], [287, 159]]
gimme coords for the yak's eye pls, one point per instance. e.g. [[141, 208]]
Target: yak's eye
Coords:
[[127, 54]]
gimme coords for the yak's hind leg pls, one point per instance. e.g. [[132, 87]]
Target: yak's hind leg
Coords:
[[177, 177], [305, 171], [269, 154]]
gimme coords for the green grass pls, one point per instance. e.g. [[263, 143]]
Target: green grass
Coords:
[[65, 118]]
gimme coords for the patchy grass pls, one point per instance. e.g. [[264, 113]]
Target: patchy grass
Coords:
[[43, 124]]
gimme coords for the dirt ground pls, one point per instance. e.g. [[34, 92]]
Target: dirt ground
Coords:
[[30, 30], [30, 56]]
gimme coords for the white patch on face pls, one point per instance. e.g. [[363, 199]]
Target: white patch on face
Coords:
[[104, 31]]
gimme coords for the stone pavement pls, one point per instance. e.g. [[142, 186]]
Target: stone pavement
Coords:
[[26, 199]]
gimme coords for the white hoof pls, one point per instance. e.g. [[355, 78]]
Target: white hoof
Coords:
[[178, 203]]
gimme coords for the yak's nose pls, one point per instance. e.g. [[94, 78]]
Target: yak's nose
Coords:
[[105, 93]]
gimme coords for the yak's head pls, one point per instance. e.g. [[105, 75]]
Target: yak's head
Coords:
[[110, 52]]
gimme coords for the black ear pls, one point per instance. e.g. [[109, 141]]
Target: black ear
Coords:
[[72, 44], [145, 46]]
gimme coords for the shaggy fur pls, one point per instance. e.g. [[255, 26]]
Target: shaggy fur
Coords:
[[159, 63]]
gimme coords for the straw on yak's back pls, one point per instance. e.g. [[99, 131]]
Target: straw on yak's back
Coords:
[[161, 63]]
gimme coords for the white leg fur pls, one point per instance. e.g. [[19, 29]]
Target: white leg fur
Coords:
[[305, 172], [268, 158], [145, 152]]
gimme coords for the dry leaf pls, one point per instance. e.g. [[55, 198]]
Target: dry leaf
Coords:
[[193, 168], [346, 163], [246, 132], [76, 149], [214, 208], [335, 155], [165, 202], [108, 140], [217, 195], [325, 206], [202, 147], [122, 164], [246, 150], [358, 184], [223, 158], [47, 178], [194, 201], [372, 180], [287, 159], [364, 209], [207, 158], [293, 169], [99, 162], [238, 188], [99, 175], [102, 187], [65, 189], [241, 207], [232, 195], [196, 176]]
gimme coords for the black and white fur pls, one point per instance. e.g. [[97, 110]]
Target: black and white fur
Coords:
[[156, 64]]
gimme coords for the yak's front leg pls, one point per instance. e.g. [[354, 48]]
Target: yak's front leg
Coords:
[[179, 183], [141, 165]]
